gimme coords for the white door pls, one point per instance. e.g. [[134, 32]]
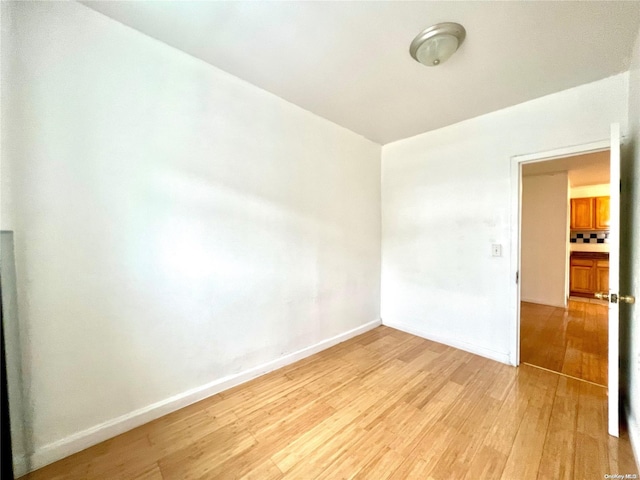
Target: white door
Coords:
[[614, 283], [614, 296]]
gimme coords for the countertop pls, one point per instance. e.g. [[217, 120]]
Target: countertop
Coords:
[[591, 255], [589, 247]]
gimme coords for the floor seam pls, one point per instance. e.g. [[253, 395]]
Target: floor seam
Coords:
[[564, 375]]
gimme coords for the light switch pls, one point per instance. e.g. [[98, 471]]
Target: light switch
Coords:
[[496, 250]]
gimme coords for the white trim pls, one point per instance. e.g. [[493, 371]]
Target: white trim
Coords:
[[516, 197], [99, 433], [634, 434], [20, 465], [613, 356], [562, 152], [538, 302], [467, 347]]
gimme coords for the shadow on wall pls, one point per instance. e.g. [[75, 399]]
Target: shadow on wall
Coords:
[[17, 370], [627, 252]]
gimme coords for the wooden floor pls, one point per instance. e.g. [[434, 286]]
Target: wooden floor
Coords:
[[572, 341], [385, 404]]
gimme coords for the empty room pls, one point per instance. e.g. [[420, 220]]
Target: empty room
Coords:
[[288, 240]]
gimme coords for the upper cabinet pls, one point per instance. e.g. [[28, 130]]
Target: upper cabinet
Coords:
[[582, 213], [602, 213], [590, 213]]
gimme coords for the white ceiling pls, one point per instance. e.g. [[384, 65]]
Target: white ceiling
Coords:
[[587, 169], [349, 62]]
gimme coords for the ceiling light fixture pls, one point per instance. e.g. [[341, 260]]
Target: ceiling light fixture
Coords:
[[437, 43]]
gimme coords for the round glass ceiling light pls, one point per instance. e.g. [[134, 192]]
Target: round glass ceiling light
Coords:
[[437, 43]]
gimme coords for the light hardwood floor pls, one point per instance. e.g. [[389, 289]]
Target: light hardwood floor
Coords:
[[572, 341], [385, 404]]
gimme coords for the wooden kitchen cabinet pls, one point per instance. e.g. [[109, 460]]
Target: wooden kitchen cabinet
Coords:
[[582, 213], [601, 217], [589, 273], [590, 213], [602, 275], [582, 279]]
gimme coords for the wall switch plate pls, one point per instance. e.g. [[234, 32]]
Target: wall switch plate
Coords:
[[496, 250]]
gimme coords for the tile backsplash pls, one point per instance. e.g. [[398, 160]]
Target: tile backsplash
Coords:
[[589, 237]]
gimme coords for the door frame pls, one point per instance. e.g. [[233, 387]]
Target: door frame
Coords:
[[517, 161]]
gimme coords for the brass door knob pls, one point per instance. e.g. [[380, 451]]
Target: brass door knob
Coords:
[[627, 299], [615, 298]]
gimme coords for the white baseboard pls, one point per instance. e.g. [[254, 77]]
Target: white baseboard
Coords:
[[634, 434], [539, 302], [99, 433], [467, 347]]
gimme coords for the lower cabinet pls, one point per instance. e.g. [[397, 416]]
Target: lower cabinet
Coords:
[[602, 275], [589, 273]]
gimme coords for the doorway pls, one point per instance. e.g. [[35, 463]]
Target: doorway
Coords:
[[563, 255]]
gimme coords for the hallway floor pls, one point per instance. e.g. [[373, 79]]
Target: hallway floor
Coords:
[[572, 341]]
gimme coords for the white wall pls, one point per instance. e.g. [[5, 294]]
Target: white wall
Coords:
[[177, 230], [630, 256], [601, 190], [447, 197], [6, 68], [544, 239]]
